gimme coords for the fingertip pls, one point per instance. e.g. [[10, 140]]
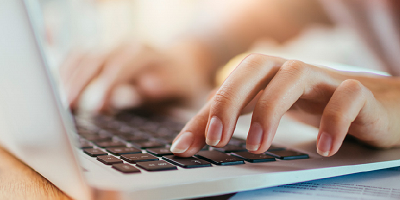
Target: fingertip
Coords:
[[254, 137], [324, 144], [215, 131], [182, 143]]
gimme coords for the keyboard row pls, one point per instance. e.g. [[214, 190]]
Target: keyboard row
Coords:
[[151, 161]]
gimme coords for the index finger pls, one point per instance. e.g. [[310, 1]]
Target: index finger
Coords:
[[191, 138], [236, 92]]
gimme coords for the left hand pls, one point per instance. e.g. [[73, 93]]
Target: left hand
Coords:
[[366, 107]]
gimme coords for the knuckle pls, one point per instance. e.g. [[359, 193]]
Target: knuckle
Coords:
[[295, 67], [355, 87], [223, 96], [268, 107], [255, 58], [336, 117], [255, 61]]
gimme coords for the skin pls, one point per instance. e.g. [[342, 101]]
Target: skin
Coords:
[[339, 103], [365, 107], [153, 75], [186, 67]]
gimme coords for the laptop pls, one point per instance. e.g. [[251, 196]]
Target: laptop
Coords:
[[123, 156]]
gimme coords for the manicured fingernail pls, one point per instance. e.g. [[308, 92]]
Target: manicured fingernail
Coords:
[[324, 144], [182, 143], [254, 137], [214, 133]]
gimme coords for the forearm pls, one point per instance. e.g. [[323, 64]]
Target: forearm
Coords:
[[227, 28]]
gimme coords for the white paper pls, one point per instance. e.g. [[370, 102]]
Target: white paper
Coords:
[[381, 184]]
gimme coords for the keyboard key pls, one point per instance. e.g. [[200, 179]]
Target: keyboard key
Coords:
[[158, 165], [230, 148], [219, 158], [109, 160], [149, 144], [125, 168], [276, 148], [159, 151], [167, 140], [110, 144], [97, 138], [135, 138], [205, 148], [138, 157], [94, 152], [86, 132], [254, 158], [288, 155], [84, 144], [190, 162], [237, 142], [123, 150]]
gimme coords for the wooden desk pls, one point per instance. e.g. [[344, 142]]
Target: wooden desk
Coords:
[[18, 181]]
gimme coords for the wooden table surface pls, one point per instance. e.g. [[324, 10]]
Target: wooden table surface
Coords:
[[19, 181]]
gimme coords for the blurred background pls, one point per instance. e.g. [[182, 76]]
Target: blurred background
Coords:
[[110, 22], [87, 25]]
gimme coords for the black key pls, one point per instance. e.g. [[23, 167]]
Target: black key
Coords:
[[276, 148], [138, 157], [84, 144], [97, 138], [125, 168], [237, 142], [167, 140], [109, 125], [162, 132], [190, 162], [205, 148], [86, 132], [158, 165], [288, 155], [149, 144], [231, 148], [123, 150], [135, 138], [219, 158], [109, 160], [159, 151], [150, 126], [110, 144], [254, 158], [94, 152]]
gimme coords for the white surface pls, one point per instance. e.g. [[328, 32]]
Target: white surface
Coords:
[[33, 123], [381, 184]]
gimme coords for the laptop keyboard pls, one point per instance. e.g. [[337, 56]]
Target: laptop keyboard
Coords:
[[130, 143]]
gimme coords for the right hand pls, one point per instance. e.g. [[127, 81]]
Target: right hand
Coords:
[[153, 75], [363, 106]]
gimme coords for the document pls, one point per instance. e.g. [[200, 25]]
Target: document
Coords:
[[375, 185]]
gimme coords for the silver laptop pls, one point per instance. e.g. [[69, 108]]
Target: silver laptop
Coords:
[[126, 156]]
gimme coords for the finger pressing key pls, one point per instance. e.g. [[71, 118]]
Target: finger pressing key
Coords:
[[292, 82], [347, 104], [242, 85]]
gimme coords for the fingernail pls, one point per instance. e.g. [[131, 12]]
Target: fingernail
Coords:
[[254, 137], [214, 133], [324, 144], [182, 143]]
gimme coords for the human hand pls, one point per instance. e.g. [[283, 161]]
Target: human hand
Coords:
[[365, 107], [153, 75]]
